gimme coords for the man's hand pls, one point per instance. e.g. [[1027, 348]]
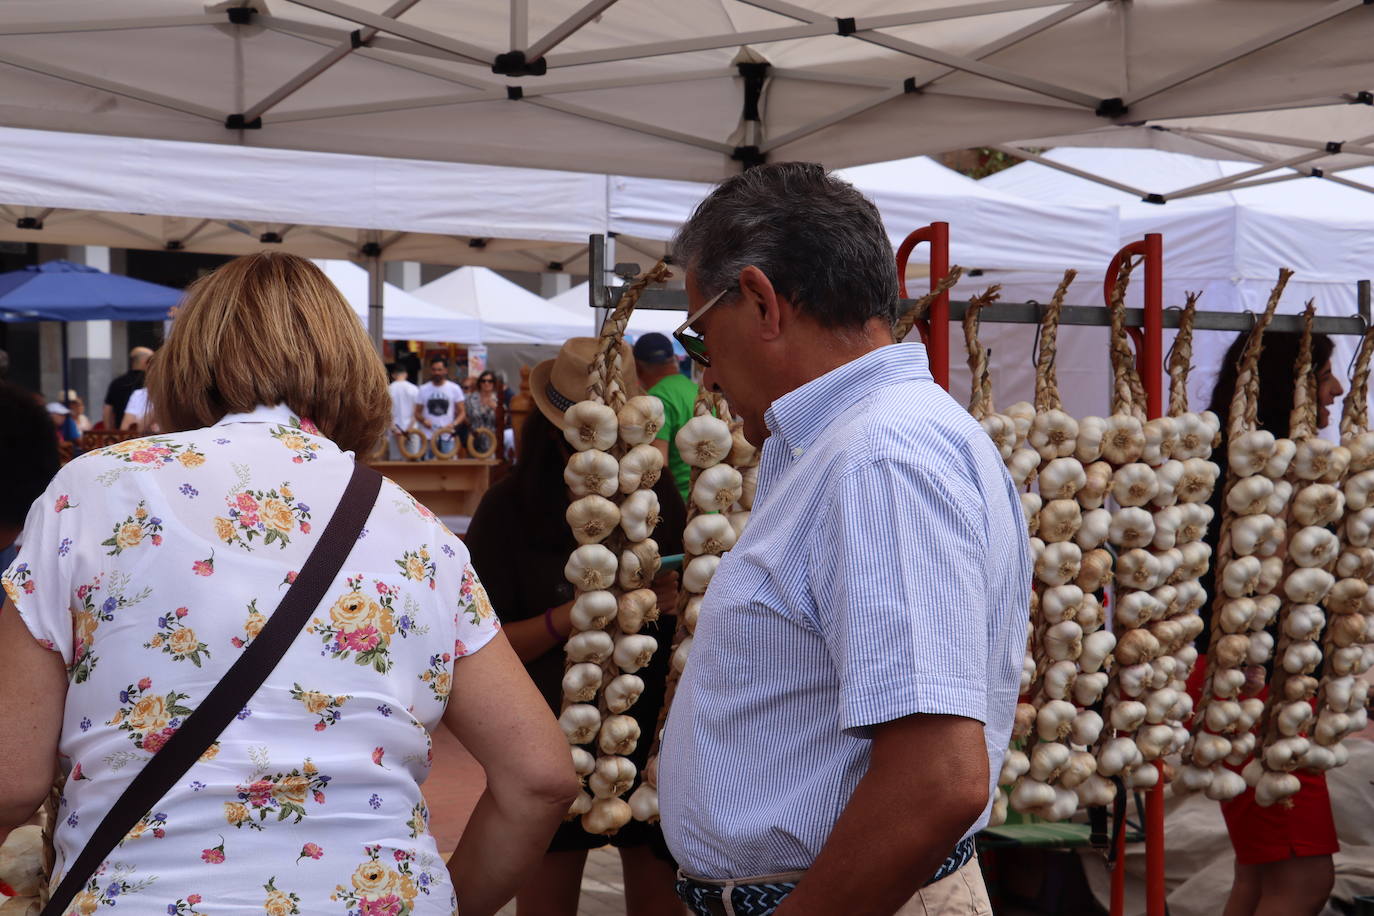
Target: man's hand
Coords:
[[665, 589], [927, 783]]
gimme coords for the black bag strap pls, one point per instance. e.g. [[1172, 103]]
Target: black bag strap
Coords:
[[234, 690]]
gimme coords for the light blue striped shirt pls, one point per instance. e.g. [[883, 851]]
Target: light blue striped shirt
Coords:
[[884, 572]]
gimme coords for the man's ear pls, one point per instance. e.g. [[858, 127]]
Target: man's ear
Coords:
[[759, 295]]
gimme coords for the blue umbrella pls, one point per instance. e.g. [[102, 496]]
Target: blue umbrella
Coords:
[[63, 291]]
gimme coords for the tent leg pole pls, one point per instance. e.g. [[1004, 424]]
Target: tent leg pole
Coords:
[[66, 363], [375, 286], [1154, 847], [935, 327], [1152, 372], [1118, 901]]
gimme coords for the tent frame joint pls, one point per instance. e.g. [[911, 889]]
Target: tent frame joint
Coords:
[[28, 222], [241, 15], [845, 25], [237, 122], [515, 63], [1154, 199], [370, 250], [1112, 108], [749, 156]]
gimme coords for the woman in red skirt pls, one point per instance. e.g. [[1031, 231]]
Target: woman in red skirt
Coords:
[[1283, 852]]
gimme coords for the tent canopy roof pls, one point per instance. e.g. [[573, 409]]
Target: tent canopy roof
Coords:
[[406, 316], [63, 291], [668, 88], [507, 312]]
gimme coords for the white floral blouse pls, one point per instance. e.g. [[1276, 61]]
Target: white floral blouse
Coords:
[[149, 566]]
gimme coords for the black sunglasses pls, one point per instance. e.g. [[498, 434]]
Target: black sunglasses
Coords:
[[691, 341]]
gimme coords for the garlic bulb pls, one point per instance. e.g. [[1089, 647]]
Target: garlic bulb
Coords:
[[593, 610], [1134, 485], [1054, 720], [1160, 439], [679, 660], [1001, 429], [580, 723], [704, 441], [1030, 508], [1059, 679], [1132, 527], [1198, 480], [1086, 728], [590, 426], [1240, 577], [1358, 489], [1064, 640], [1315, 458], [1061, 603], [592, 473], [692, 613], [1062, 478], [1307, 586], [1059, 563], [1167, 522], [1096, 791], [1135, 609], [1347, 596], [619, 734], [582, 804], [1116, 756], [639, 565], [644, 804], [583, 763], [1302, 657], [1136, 646], [1014, 766], [1359, 527], [1318, 504], [613, 776], [1022, 466], [1047, 760], [1273, 787], [1060, 520], [1304, 622], [1250, 451], [742, 451], [698, 574], [606, 816], [1088, 443], [1021, 414], [1225, 785], [1293, 719], [1283, 492], [639, 469], [708, 534], [593, 646], [1250, 496], [750, 476], [1095, 570], [581, 682], [1271, 571], [639, 514], [1097, 479], [1138, 568], [1054, 434], [1277, 465], [1167, 478], [591, 567], [592, 518], [640, 419], [1129, 715], [635, 608], [1236, 614], [1028, 795], [1154, 741], [1123, 441], [1093, 528], [633, 651], [623, 692], [1095, 649], [1313, 546], [717, 488], [1023, 720], [1250, 532]]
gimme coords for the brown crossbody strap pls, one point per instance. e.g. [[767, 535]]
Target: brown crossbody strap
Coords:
[[234, 690]]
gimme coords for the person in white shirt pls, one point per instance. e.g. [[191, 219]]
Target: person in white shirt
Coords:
[[439, 407], [404, 396], [138, 413]]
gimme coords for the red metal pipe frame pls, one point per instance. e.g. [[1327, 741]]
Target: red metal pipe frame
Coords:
[[935, 327], [1150, 365]]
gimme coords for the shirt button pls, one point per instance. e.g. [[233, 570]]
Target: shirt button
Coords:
[[796, 453]]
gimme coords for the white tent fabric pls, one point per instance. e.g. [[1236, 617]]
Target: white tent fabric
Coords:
[[235, 200], [407, 317], [577, 302], [988, 227], [669, 88], [508, 313], [1229, 245]]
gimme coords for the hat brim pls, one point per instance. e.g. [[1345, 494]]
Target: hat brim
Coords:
[[539, 387]]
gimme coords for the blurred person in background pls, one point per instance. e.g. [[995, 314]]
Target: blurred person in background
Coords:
[[28, 453], [439, 408], [73, 403], [520, 542], [147, 568], [117, 395], [658, 372], [63, 423], [405, 394]]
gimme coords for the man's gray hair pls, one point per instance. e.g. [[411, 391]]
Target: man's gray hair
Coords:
[[820, 242]]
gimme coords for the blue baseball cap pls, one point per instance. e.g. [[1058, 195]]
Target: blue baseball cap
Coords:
[[653, 348]]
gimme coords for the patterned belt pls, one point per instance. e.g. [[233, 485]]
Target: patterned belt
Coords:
[[762, 899]]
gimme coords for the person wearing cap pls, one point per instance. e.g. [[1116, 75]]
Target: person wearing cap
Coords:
[[62, 422], [835, 739], [519, 544], [658, 372]]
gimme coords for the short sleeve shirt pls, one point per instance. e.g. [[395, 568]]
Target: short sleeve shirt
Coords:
[[440, 402], [117, 395], [679, 396], [149, 567], [403, 397], [884, 572]]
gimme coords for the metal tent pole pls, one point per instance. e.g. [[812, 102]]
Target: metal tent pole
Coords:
[[376, 284]]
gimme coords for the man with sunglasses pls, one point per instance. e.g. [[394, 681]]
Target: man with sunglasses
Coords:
[[835, 738]]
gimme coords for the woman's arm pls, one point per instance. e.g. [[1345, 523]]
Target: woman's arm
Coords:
[[33, 682], [502, 720], [531, 638]]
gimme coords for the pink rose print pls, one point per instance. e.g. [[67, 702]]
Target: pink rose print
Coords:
[[362, 640], [181, 612], [377, 754], [204, 567], [145, 683], [159, 833], [28, 587], [194, 899], [153, 741], [319, 726], [260, 793], [63, 503], [215, 854], [305, 527], [390, 905], [236, 642], [308, 426], [157, 540], [310, 851], [290, 578], [459, 649], [319, 797], [77, 774]]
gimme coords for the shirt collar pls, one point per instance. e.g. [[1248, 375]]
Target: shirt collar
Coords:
[[800, 416], [279, 414]]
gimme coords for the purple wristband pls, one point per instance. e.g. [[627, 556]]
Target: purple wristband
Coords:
[[548, 625]]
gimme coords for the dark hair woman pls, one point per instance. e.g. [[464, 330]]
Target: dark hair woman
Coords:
[[519, 543], [1283, 852]]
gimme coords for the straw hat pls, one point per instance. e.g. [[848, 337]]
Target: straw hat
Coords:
[[557, 384]]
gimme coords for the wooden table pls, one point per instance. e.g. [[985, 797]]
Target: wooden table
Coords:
[[446, 487]]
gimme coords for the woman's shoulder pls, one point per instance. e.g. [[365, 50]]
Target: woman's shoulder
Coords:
[[409, 519]]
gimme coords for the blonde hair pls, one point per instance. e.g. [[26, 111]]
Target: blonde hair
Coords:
[[267, 329]]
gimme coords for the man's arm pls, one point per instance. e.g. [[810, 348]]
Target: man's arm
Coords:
[[927, 782]]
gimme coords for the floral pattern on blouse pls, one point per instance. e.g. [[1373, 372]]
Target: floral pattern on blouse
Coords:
[[285, 813]]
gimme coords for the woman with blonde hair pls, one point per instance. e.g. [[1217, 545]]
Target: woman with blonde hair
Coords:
[[150, 567]]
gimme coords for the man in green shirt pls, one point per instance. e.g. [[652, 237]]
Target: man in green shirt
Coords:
[[658, 373]]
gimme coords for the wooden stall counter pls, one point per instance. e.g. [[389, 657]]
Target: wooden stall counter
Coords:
[[446, 486]]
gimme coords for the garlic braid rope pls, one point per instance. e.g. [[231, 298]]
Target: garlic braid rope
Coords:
[[902, 327], [1348, 644], [1128, 394], [1066, 648], [1246, 574], [613, 511], [1181, 358], [1312, 554], [724, 471]]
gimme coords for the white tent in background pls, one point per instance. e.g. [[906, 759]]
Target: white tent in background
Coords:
[[576, 301], [508, 313], [407, 318], [1229, 244], [669, 88]]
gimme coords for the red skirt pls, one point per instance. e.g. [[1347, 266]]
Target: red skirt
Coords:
[[1298, 826]]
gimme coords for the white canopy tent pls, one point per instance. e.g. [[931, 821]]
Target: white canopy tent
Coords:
[[1228, 245], [669, 88], [407, 317], [577, 303], [508, 313]]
